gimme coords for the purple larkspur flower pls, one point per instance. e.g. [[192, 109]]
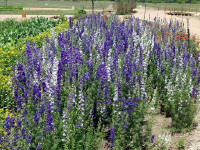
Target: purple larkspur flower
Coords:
[[92, 113], [194, 72], [41, 109], [49, 119], [123, 103], [78, 125], [194, 92], [36, 96], [152, 138], [36, 119], [38, 147], [126, 125], [26, 96], [23, 132], [44, 86], [18, 122], [19, 101], [29, 138], [106, 91], [102, 74], [25, 111], [7, 123], [26, 121], [16, 136], [20, 73], [59, 77], [112, 137], [12, 122]]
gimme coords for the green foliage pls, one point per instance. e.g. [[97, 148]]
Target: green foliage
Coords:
[[180, 1], [80, 13], [89, 113], [11, 30], [13, 38], [7, 8], [170, 1], [181, 144]]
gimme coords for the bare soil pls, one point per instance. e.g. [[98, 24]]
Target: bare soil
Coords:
[[19, 17], [194, 20], [162, 125]]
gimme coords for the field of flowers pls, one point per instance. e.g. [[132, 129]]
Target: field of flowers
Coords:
[[13, 38], [96, 81]]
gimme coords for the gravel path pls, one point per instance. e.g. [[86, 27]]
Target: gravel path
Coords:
[[55, 9], [194, 138], [60, 9], [194, 21], [19, 17]]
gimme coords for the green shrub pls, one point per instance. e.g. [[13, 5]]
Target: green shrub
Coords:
[[80, 13], [181, 144]]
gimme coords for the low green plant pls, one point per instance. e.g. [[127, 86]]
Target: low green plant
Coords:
[[11, 30], [80, 13], [181, 144], [7, 8], [183, 108]]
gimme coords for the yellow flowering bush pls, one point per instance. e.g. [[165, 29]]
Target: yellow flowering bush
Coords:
[[6, 61]]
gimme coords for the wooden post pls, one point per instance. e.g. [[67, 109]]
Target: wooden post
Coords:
[[145, 10], [188, 32], [23, 14]]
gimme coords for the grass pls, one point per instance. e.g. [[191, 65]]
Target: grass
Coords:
[[10, 8], [57, 4], [174, 6]]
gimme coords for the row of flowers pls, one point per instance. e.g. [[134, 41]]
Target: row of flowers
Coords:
[[96, 82], [13, 52]]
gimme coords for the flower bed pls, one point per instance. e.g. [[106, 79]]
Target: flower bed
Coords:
[[97, 81], [12, 50]]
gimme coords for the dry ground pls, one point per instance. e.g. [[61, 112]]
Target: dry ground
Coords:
[[194, 21], [162, 125]]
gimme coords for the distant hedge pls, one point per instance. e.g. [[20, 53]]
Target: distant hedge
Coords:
[[170, 1]]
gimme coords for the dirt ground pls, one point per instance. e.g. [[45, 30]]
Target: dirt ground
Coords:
[[19, 17], [161, 126], [194, 21], [60, 9]]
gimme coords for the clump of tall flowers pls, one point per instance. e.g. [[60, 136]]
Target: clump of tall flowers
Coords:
[[93, 83]]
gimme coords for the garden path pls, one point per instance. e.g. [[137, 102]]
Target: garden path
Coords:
[[60, 9], [194, 21], [19, 17]]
